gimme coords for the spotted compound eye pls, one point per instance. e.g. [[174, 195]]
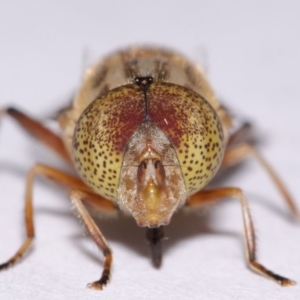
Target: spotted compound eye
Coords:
[[101, 136], [193, 128]]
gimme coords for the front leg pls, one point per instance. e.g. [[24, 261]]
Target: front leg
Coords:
[[239, 153], [78, 197], [81, 193], [206, 197]]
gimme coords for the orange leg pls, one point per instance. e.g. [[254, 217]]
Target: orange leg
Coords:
[[239, 153], [39, 131], [78, 197], [209, 196], [83, 193]]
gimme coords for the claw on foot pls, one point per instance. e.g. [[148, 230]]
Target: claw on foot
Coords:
[[95, 285], [286, 282]]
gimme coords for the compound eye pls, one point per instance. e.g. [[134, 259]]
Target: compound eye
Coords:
[[159, 172], [141, 173]]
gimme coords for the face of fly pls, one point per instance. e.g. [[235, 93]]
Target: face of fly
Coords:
[[151, 183]]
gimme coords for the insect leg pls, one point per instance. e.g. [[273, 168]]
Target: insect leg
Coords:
[[39, 131], [242, 135], [56, 175], [239, 153], [209, 196], [78, 197]]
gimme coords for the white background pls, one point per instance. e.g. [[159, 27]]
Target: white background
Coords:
[[251, 52]]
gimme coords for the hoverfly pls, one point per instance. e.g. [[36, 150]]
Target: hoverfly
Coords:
[[146, 134]]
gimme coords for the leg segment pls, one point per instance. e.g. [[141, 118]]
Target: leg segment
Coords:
[[239, 153], [209, 196], [83, 192], [242, 135], [77, 198], [39, 131]]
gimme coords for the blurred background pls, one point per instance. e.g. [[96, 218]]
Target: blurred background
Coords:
[[250, 50]]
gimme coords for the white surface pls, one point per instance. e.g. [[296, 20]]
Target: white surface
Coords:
[[252, 51]]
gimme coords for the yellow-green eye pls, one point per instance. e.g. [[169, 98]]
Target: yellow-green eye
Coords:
[[193, 128], [101, 136]]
